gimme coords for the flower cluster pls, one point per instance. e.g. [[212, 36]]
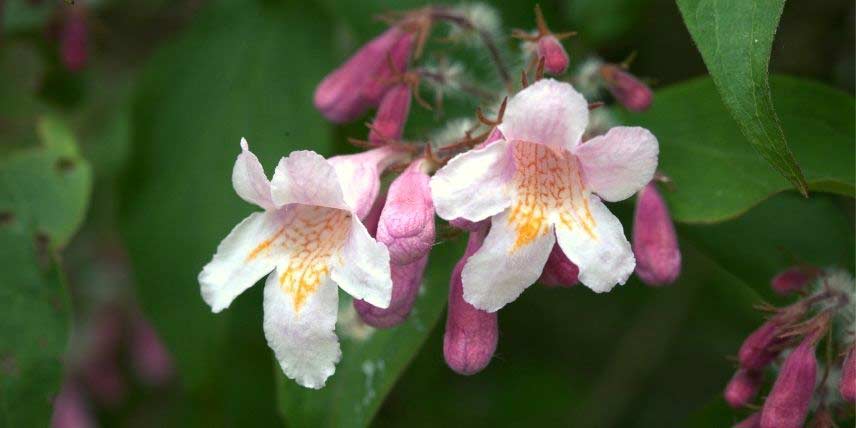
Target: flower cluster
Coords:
[[528, 186], [786, 345]]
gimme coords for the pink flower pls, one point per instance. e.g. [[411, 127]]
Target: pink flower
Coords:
[[626, 88], [70, 409], [847, 387], [471, 334], [559, 271], [309, 238], [658, 257], [743, 387], [542, 185], [357, 85], [73, 38], [391, 115], [788, 402], [555, 58], [793, 279]]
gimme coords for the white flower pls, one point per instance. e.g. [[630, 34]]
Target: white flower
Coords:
[[541, 184], [309, 238]]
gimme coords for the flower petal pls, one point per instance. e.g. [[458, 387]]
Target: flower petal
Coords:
[[305, 177], [249, 179], [502, 268], [596, 244], [546, 112], [474, 185], [302, 336], [618, 164], [363, 268], [359, 176], [248, 253]]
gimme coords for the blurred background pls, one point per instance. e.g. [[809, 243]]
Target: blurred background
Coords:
[[157, 104]]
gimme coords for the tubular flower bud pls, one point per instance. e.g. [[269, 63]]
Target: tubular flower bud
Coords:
[[655, 245], [554, 54], [70, 409], [626, 88], [793, 279], [391, 115], [406, 280], [788, 402], [743, 387], [759, 349], [847, 387], [471, 334], [73, 39], [149, 357], [357, 85], [559, 271], [753, 421], [406, 223]]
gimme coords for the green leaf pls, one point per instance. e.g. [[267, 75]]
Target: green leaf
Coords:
[[372, 360], [43, 197], [716, 175], [243, 69], [735, 38]]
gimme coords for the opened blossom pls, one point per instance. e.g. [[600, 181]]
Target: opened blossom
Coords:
[[541, 184], [307, 240]]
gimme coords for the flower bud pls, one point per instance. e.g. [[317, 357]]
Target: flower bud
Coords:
[[655, 245], [70, 409], [360, 174], [357, 85], [743, 387], [73, 39], [406, 223], [559, 271], [788, 402], [150, 359], [627, 89], [471, 334], [793, 279], [555, 58], [391, 115], [406, 280], [759, 349], [753, 421], [847, 387]]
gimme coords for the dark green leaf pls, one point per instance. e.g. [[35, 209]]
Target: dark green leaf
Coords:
[[735, 38], [716, 176]]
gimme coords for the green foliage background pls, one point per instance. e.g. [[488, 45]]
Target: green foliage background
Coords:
[[152, 129]]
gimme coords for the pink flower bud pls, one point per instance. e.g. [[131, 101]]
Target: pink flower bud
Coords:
[[559, 271], [73, 39], [100, 367], [359, 83], [655, 245], [406, 223], [793, 279], [70, 409], [406, 280], [753, 421], [743, 387], [373, 217], [149, 357], [847, 387], [555, 58], [391, 115], [788, 402], [471, 334], [627, 89], [759, 349]]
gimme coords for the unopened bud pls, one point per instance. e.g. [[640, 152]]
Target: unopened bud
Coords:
[[559, 270], [760, 348], [753, 421], [70, 409], [406, 223], [391, 115], [471, 334], [150, 359], [73, 39], [788, 402], [655, 245], [793, 279], [847, 387], [555, 58], [626, 88], [743, 387], [357, 85], [406, 280]]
